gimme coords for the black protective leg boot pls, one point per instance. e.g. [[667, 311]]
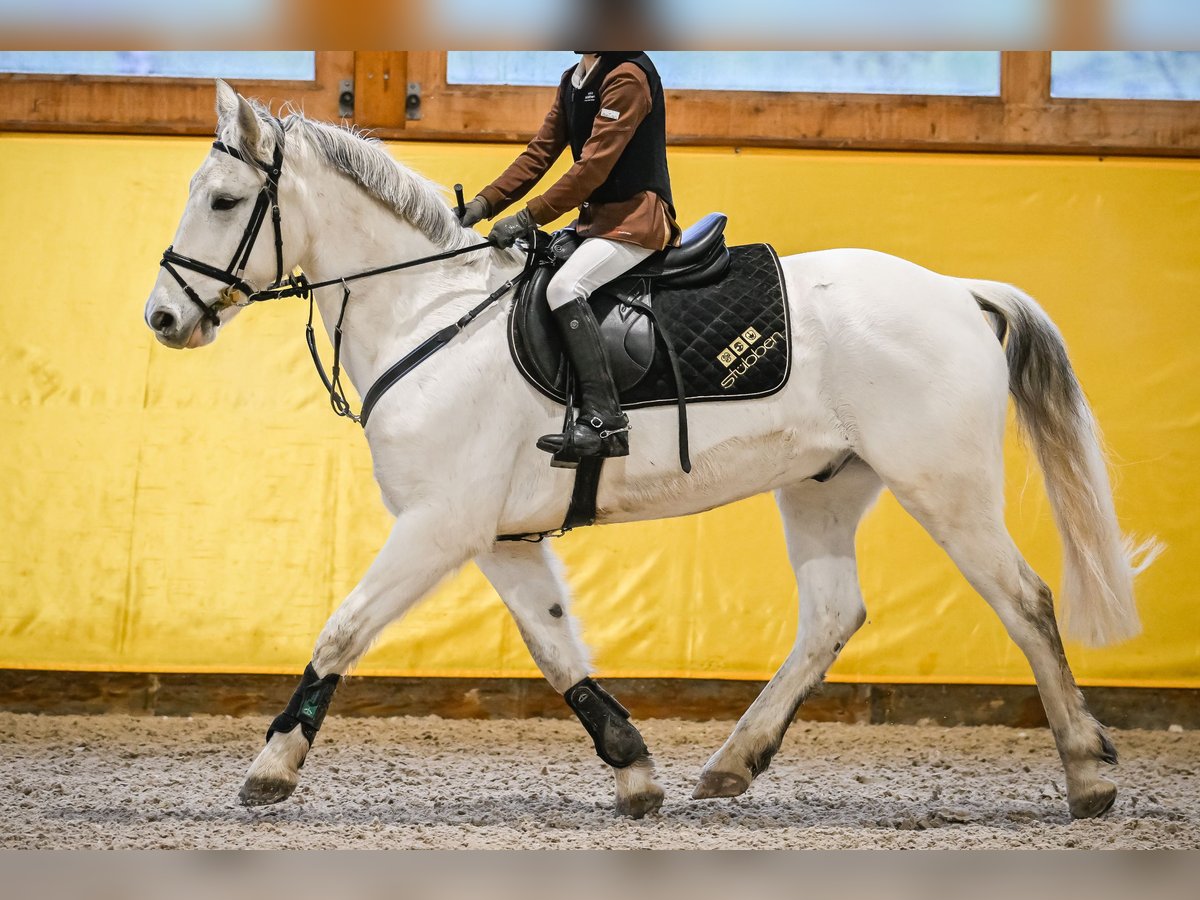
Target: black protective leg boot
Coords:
[[601, 429]]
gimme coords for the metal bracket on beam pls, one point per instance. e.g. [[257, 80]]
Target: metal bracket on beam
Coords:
[[412, 101]]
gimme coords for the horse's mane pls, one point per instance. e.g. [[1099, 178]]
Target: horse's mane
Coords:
[[413, 197], [410, 196]]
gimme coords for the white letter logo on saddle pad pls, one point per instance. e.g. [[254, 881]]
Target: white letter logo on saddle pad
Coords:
[[739, 366]]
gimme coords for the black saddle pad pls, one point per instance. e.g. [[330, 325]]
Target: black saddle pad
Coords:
[[732, 338]]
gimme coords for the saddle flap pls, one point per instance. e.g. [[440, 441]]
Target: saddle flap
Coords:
[[628, 334]]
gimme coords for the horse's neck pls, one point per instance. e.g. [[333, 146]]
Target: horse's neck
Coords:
[[386, 315]]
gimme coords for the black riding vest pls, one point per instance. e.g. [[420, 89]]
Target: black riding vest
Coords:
[[642, 166]]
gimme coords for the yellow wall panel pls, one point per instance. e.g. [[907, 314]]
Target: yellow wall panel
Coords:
[[205, 511]]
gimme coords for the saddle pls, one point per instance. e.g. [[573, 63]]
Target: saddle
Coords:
[[695, 323], [676, 327], [628, 333]]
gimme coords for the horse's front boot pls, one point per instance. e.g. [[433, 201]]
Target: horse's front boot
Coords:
[[601, 429]]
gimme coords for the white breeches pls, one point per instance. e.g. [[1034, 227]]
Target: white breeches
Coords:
[[596, 262]]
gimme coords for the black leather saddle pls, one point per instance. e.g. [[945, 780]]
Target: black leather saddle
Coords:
[[621, 307]]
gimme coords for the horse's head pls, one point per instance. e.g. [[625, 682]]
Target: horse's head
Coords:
[[226, 241]]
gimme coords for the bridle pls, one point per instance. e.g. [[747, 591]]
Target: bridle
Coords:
[[231, 275], [296, 285]]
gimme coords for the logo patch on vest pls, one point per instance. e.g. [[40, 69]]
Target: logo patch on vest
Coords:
[[609, 114]]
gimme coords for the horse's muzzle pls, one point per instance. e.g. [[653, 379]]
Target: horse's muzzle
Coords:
[[177, 328]]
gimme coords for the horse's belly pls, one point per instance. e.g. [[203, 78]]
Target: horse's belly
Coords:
[[738, 449], [735, 470]]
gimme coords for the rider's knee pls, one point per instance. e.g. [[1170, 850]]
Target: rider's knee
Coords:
[[561, 291]]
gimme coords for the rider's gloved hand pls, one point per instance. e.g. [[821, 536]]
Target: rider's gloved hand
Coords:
[[508, 229], [475, 211]]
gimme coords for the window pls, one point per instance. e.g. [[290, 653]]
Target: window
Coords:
[[1126, 74], [972, 73], [280, 65]]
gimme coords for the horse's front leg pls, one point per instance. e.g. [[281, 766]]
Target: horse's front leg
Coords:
[[420, 550], [527, 577]]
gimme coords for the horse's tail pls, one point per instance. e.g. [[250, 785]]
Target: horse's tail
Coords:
[[1099, 563]]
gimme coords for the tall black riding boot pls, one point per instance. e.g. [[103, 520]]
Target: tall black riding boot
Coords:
[[601, 429]]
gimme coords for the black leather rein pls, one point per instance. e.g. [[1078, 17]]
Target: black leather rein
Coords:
[[299, 286]]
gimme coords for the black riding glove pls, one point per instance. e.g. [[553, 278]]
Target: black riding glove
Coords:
[[508, 229], [475, 211]]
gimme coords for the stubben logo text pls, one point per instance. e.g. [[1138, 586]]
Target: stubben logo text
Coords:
[[744, 353]]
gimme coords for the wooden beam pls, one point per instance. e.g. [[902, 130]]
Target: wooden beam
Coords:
[[380, 87], [92, 693], [1025, 92], [1024, 118], [155, 105]]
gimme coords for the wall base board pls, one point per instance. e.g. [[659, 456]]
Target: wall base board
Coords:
[[92, 693]]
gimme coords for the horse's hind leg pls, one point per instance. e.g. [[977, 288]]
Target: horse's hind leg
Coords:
[[945, 464], [419, 551], [526, 575], [964, 514], [819, 521]]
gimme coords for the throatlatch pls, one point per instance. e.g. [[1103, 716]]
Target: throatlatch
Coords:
[[308, 705], [618, 743]]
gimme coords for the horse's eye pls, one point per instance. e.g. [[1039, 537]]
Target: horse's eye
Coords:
[[225, 202]]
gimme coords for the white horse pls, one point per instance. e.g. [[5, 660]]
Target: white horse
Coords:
[[896, 369]]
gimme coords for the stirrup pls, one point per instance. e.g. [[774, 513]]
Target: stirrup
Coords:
[[586, 437]]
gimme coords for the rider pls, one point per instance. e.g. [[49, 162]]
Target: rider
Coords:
[[610, 110]]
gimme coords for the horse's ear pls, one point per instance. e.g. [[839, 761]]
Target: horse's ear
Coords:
[[227, 103], [249, 127]]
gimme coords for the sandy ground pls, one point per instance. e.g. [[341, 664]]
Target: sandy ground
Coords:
[[118, 781]]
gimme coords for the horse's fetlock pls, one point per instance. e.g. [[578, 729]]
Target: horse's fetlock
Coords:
[[761, 760]]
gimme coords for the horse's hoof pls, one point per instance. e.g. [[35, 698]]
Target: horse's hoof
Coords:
[[637, 805], [720, 784], [1096, 802], [263, 792]]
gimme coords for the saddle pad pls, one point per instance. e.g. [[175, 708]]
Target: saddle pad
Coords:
[[732, 338]]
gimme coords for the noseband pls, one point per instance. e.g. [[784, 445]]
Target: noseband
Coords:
[[231, 275]]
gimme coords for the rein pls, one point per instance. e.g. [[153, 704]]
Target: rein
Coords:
[[412, 359], [299, 286]]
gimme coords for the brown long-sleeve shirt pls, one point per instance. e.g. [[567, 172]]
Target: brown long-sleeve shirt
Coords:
[[644, 219]]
